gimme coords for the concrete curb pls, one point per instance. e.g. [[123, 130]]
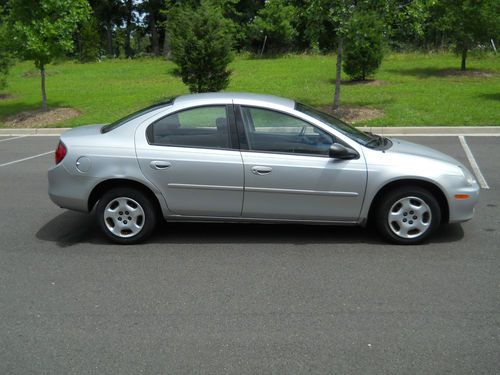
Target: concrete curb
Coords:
[[32, 131], [401, 131], [434, 130]]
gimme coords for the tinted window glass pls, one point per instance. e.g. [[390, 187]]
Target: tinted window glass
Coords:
[[335, 123], [277, 132], [197, 127]]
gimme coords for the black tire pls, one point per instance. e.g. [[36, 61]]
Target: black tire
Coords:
[[129, 227], [413, 227]]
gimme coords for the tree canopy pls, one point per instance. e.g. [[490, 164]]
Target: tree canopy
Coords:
[[88, 30], [5, 58], [42, 30], [468, 23]]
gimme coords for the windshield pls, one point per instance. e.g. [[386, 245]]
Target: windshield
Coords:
[[362, 138], [120, 122]]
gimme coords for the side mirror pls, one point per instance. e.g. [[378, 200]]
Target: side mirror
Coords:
[[339, 151]]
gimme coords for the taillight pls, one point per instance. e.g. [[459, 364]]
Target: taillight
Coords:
[[60, 152]]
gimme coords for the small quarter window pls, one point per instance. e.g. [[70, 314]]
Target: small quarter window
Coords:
[[205, 127]]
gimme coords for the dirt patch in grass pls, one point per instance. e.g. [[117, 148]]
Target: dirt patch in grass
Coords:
[[354, 114], [39, 118], [6, 96], [465, 73], [36, 73], [368, 82]]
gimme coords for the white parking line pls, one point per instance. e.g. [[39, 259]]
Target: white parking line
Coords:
[[28, 158], [473, 164], [10, 139]]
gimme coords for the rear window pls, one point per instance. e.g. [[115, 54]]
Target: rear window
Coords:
[[205, 127], [141, 112]]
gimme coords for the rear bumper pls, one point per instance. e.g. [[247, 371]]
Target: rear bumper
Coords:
[[69, 191]]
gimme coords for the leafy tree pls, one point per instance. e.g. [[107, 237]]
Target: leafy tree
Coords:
[[275, 20], [334, 16], [405, 21], [5, 58], [110, 14], [154, 18], [318, 27], [89, 41], [41, 30], [469, 22], [363, 45], [201, 46], [129, 18], [241, 13], [4, 67], [338, 13]]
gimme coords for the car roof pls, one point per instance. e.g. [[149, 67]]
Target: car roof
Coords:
[[237, 96]]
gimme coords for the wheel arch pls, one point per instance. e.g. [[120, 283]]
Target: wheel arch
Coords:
[[434, 189], [104, 186]]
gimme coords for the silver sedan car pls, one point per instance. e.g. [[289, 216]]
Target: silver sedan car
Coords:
[[254, 158]]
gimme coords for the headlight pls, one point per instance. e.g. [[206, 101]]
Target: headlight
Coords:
[[469, 178]]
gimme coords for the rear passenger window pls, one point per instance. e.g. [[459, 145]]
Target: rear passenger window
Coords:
[[197, 127]]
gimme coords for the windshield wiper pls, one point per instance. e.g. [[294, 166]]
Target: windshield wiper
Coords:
[[377, 140]]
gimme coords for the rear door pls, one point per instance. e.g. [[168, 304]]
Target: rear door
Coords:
[[189, 156]]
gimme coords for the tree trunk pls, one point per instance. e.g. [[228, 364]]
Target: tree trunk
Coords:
[[109, 35], [464, 57], [128, 48], [128, 28], [44, 95], [166, 45], [336, 97], [155, 40], [79, 44]]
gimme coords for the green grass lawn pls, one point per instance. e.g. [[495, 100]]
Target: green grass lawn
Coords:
[[414, 89]]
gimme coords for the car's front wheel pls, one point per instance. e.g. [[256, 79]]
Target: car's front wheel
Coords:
[[126, 215], [408, 215]]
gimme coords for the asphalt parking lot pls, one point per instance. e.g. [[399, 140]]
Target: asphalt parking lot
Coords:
[[224, 298]]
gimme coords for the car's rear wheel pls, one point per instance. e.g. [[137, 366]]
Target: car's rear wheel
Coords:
[[126, 215], [407, 215]]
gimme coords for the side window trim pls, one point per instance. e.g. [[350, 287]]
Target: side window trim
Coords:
[[230, 118], [234, 142], [243, 137], [240, 127]]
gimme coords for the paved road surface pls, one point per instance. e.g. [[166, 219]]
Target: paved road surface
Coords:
[[223, 298]]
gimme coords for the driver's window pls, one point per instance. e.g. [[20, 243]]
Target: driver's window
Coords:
[[272, 131]]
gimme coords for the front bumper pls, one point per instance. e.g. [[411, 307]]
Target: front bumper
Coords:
[[463, 209]]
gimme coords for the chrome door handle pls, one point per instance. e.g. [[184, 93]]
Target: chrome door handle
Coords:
[[158, 164], [260, 170]]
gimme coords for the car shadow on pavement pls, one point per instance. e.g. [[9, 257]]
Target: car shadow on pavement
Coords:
[[70, 228]]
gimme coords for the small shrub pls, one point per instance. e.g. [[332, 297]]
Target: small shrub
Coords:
[[201, 46], [363, 48]]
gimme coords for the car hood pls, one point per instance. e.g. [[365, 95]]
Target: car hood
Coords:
[[412, 149]]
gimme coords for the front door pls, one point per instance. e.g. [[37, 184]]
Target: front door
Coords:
[[288, 174], [189, 157]]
